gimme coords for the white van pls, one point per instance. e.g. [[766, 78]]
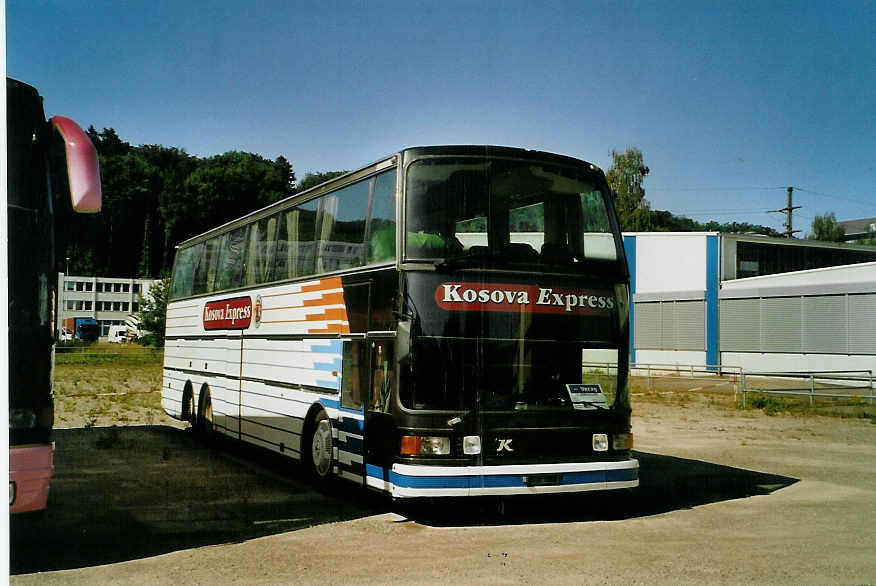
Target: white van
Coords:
[[117, 335]]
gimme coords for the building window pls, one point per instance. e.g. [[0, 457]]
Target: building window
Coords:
[[88, 306], [126, 288], [117, 305], [69, 286], [124, 306], [135, 307], [88, 286], [136, 287]]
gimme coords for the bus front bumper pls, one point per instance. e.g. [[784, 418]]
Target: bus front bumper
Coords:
[[409, 481], [30, 471]]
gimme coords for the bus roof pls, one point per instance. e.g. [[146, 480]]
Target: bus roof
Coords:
[[388, 161]]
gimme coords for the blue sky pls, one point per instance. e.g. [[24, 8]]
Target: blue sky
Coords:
[[729, 102]]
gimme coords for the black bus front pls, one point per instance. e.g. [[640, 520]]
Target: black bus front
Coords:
[[511, 354]]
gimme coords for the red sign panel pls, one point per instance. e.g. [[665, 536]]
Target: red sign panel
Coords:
[[228, 314], [523, 298]]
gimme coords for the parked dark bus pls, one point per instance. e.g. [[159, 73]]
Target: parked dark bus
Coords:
[[418, 326], [31, 280]]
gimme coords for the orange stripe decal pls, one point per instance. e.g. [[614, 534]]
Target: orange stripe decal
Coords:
[[334, 313], [331, 329], [324, 284], [336, 298]]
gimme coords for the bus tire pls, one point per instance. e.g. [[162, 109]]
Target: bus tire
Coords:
[[188, 405], [204, 422], [319, 450]]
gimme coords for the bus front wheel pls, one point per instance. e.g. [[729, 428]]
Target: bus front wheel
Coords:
[[320, 448]]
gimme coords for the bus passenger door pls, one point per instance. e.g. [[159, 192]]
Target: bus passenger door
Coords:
[[227, 408], [381, 441]]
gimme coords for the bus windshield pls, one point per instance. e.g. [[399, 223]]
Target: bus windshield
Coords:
[[494, 211]]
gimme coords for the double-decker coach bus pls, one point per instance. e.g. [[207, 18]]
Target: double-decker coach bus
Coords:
[[417, 326], [31, 292]]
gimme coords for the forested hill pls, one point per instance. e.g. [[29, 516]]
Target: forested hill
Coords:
[[154, 197]]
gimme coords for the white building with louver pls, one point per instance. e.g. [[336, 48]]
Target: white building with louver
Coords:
[[713, 299]]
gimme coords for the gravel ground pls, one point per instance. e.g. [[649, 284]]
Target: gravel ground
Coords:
[[727, 497]]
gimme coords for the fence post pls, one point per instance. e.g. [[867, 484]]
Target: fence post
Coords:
[[743, 388], [871, 386], [649, 378], [811, 389]]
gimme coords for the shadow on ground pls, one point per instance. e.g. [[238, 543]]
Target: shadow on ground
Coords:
[[666, 484], [124, 493], [132, 492]]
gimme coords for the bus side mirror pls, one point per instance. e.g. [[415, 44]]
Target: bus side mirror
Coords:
[[83, 172]]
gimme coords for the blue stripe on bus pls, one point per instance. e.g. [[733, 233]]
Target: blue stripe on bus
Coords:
[[333, 366], [353, 445], [331, 403], [377, 472], [497, 480], [351, 425], [621, 475]]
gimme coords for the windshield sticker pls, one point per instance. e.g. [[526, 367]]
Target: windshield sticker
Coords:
[[228, 314], [586, 396], [523, 298]]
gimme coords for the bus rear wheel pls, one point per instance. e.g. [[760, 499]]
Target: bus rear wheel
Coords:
[[204, 426]]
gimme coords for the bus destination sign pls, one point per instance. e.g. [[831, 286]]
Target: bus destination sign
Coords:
[[523, 298], [228, 314]]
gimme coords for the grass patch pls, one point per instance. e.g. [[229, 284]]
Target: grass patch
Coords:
[[843, 408], [108, 386]]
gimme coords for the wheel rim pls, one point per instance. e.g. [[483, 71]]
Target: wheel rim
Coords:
[[321, 447]]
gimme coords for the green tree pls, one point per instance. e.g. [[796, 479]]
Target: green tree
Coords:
[[153, 310], [314, 179], [625, 178], [827, 228]]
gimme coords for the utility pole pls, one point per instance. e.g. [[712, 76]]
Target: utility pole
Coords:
[[787, 210]]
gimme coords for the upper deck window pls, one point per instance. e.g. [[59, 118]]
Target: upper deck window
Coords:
[[497, 211]]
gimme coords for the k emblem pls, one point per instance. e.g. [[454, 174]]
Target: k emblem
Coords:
[[504, 444]]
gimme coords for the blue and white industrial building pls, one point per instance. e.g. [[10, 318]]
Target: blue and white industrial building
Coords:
[[711, 299]]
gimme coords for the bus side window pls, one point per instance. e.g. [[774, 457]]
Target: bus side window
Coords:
[[183, 272], [381, 242], [354, 379], [232, 255]]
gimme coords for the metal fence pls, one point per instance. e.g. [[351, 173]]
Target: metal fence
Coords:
[[840, 384], [713, 377], [833, 384]]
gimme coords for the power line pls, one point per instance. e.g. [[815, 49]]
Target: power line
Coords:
[[857, 201], [651, 188]]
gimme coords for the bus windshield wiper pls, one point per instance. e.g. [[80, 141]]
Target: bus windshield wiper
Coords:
[[598, 405]]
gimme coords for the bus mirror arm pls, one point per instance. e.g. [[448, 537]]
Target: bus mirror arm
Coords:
[[403, 340]]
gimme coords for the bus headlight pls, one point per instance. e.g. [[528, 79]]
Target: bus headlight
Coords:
[[415, 445], [471, 445], [31, 418], [22, 418], [600, 442]]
